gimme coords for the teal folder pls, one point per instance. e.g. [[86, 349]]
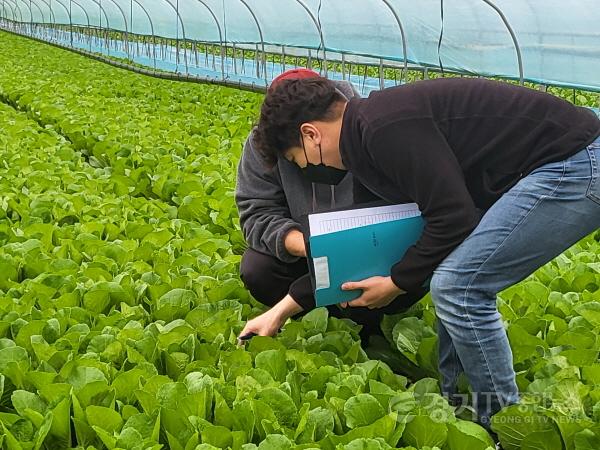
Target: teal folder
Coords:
[[360, 252]]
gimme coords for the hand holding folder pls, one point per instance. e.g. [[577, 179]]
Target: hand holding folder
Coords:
[[356, 244]]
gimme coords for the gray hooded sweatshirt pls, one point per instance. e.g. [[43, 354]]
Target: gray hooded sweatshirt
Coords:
[[271, 202]]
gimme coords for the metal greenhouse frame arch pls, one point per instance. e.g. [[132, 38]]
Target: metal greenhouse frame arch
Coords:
[[214, 16], [28, 6], [513, 37], [18, 8], [143, 8], [262, 42], [39, 9], [403, 35], [126, 26], [176, 9], [50, 4], [12, 11], [4, 11], [87, 16], [319, 30], [102, 11], [68, 10]]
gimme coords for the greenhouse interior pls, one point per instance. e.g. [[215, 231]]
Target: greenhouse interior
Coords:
[[300, 224]]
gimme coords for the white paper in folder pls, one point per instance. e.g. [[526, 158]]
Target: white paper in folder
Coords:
[[330, 222]]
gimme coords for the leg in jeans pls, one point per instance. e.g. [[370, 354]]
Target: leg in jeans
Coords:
[[449, 365], [544, 214]]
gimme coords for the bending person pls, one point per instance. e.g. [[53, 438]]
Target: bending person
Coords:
[[528, 160]]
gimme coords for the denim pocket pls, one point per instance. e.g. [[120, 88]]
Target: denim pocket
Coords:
[[593, 192]]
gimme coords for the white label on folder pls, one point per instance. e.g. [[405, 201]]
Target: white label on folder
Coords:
[[330, 222], [321, 272]]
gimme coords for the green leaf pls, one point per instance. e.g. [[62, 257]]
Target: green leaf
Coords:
[[524, 345], [316, 320], [274, 362], [14, 364], [42, 432], [362, 410], [542, 440], [590, 312], [157, 238], [282, 405], [463, 434], [175, 304], [97, 301], [61, 423], [408, 333], [217, 436], [104, 418], [587, 440], [23, 400], [275, 442], [389, 428], [423, 431], [314, 425], [366, 444], [514, 423], [82, 376]]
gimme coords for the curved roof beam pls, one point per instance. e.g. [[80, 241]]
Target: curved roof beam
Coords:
[[124, 19], [103, 11], [319, 30], [512, 35], [17, 8], [39, 9], [403, 34], [122, 13], [70, 19], [214, 16], [64, 7], [12, 11], [147, 15], [3, 11], [67, 9], [69, 12], [28, 7], [52, 16], [87, 17], [176, 9], [151, 29], [262, 40]]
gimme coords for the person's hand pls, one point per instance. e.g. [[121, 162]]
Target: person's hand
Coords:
[[294, 243], [378, 292], [269, 323]]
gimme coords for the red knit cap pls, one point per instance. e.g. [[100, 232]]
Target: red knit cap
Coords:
[[294, 74]]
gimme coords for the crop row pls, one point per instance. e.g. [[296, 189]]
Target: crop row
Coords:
[[131, 218], [120, 301]]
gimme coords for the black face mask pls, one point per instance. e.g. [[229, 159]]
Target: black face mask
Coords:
[[320, 173]]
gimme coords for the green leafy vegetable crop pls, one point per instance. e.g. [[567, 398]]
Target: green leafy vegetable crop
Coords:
[[120, 302]]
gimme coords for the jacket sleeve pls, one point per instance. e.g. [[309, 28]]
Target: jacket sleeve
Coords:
[[416, 157], [264, 212]]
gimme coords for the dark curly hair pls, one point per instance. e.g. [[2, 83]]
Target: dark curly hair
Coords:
[[290, 104]]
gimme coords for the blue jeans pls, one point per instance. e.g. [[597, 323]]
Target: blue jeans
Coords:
[[540, 217]]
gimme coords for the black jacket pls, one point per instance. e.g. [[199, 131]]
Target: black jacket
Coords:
[[454, 146]]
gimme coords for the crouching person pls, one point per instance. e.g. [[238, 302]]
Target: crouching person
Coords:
[[271, 203]]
